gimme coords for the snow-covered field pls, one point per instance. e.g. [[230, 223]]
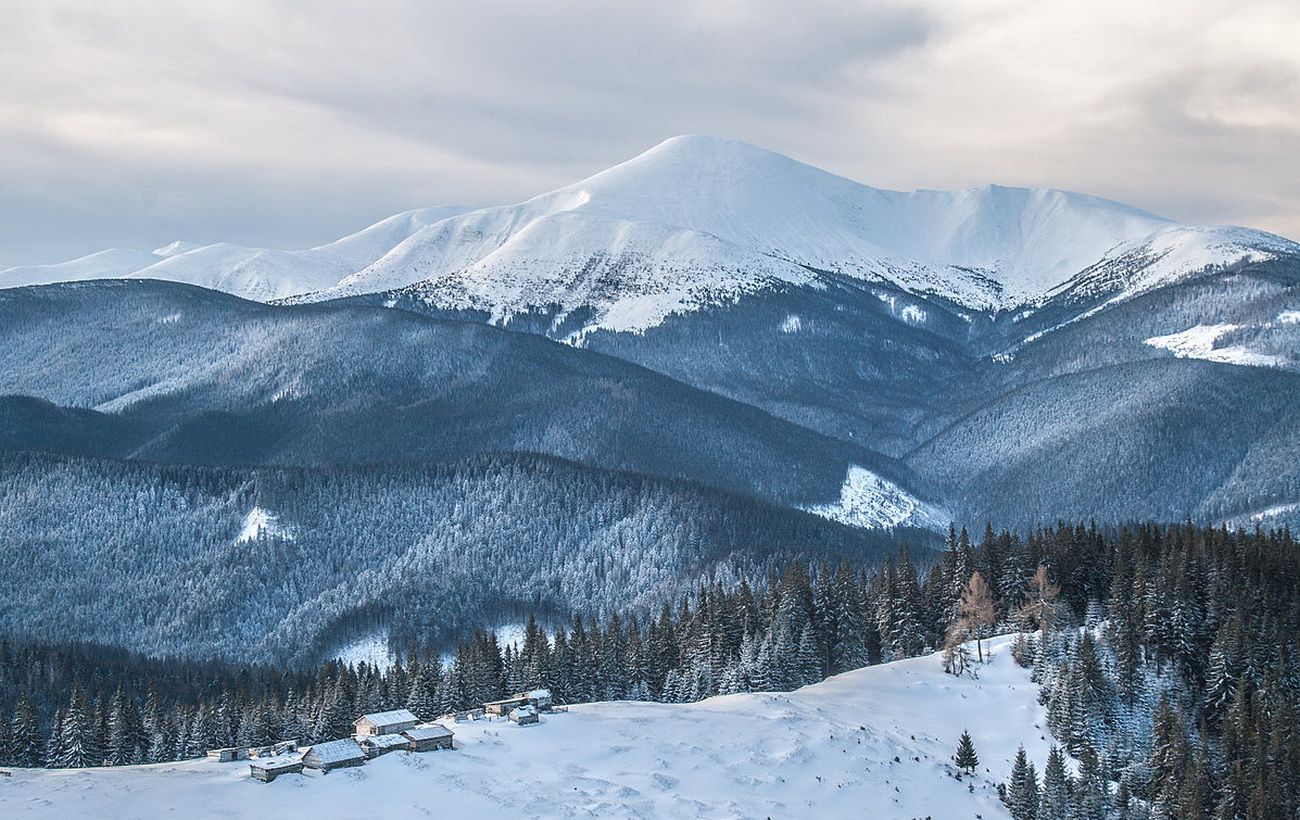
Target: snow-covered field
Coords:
[[876, 742]]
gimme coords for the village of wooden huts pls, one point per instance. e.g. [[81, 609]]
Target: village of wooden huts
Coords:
[[377, 734]]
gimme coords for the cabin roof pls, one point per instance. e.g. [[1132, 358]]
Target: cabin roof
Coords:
[[334, 751], [384, 741], [432, 732], [388, 718], [276, 763]]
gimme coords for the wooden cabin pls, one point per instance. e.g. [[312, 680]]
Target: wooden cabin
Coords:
[[334, 754], [267, 769], [503, 707], [274, 749], [541, 698], [384, 723], [228, 754], [428, 736], [524, 715], [376, 745]]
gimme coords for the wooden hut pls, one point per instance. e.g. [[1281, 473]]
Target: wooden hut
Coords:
[[503, 707], [384, 723], [541, 698], [228, 754], [274, 749], [428, 736], [267, 769], [524, 715], [334, 754], [376, 745]]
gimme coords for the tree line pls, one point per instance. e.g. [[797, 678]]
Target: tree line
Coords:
[[1166, 656]]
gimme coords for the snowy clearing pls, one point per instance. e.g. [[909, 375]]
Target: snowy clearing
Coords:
[[867, 500], [1199, 343], [827, 750], [260, 523]]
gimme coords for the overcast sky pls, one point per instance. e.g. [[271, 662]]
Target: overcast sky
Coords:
[[131, 124]]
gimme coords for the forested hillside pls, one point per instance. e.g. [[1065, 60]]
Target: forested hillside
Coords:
[[1166, 657], [277, 563], [183, 375]]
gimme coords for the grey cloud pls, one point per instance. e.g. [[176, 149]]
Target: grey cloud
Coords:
[[288, 124]]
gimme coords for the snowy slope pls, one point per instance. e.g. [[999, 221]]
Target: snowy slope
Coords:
[[1169, 255], [871, 501], [253, 273], [698, 220], [827, 750], [107, 264]]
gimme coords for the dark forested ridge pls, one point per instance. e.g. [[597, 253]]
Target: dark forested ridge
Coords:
[[1167, 658], [275, 563], [173, 373]]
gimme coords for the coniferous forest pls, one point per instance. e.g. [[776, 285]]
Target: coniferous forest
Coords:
[[1166, 658]]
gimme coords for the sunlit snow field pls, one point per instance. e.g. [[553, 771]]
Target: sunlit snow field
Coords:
[[826, 750]]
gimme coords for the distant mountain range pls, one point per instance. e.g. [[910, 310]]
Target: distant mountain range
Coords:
[[707, 313], [697, 221]]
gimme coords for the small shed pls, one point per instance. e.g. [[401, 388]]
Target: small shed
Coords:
[[228, 754], [376, 745], [428, 736], [267, 769], [385, 723], [334, 754], [503, 707], [541, 698], [274, 749], [523, 715]]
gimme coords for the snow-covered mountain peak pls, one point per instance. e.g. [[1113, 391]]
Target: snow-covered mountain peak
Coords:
[[698, 221]]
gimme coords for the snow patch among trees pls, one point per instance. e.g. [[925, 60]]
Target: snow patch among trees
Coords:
[[870, 501], [259, 524], [1200, 342]]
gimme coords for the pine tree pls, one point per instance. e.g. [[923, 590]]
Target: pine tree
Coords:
[[26, 745], [1168, 759], [1090, 794], [1055, 801], [77, 744], [966, 758], [125, 731], [420, 698], [1021, 794]]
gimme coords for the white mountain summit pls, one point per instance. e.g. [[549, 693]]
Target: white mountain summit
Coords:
[[698, 220]]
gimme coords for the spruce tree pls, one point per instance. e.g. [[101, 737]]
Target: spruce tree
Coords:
[[1021, 794], [1055, 801], [966, 758], [77, 743], [26, 745]]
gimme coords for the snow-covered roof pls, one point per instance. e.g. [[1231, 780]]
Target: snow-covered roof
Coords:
[[539, 694], [525, 710], [430, 732], [384, 741], [277, 762], [333, 751], [388, 718]]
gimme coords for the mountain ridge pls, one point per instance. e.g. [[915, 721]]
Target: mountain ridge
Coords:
[[698, 221]]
